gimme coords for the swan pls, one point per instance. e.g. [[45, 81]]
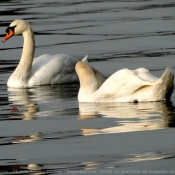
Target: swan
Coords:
[[124, 85], [43, 70]]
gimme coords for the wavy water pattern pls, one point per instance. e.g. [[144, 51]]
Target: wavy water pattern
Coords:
[[44, 130]]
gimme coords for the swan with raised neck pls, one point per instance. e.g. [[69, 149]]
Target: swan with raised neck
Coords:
[[22, 72], [43, 70]]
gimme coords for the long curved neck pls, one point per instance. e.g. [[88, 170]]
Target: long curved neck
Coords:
[[88, 82], [22, 72]]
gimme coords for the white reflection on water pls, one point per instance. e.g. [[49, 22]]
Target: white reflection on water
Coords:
[[121, 34], [21, 103], [33, 137], [129, 117], [117, 160], [44, 101]]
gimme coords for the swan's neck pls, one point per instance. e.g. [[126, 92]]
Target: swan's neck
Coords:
[[22, 71], [88, 82]]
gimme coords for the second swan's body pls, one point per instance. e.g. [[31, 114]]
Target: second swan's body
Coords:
[[123, 86]]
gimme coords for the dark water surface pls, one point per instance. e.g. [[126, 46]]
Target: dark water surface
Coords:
[[44, 130]]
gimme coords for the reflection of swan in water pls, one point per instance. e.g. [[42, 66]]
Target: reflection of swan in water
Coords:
[[33, 137], [30, 169], [22, 104], [43, 93], [129, 116], [25, 103]]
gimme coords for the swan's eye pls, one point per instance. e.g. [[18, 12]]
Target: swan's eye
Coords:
[[7, 30], [10, 28]]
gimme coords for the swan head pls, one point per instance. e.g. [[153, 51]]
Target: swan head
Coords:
[[17, 27]]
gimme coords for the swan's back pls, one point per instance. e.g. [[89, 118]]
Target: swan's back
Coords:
[[145, 75], [53, 69], [120, 86]]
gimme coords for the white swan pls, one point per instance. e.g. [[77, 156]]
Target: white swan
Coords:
[[124, 85], [45, 69]]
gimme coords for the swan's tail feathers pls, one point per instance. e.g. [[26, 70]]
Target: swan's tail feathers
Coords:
[[85, 59], [165, 85]]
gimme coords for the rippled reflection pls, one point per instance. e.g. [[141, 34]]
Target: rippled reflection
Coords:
[[22, 104], [116, 160], [25, 103], [115, 35], [33, 137], [100, 164], [129, 116]]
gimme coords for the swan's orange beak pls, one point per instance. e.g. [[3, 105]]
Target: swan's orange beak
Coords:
[[8, 35]]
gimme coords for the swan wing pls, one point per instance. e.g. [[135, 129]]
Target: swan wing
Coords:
[[145, 75], [121, 84], [53, 69]]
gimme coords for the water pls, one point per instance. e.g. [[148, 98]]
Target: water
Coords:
[[44, 130]]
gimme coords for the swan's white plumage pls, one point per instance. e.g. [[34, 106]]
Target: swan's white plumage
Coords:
[[61, 70], [124, 85], [145, 75], [43, 70]]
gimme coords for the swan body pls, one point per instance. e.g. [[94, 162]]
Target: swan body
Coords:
[[43, 70], [124, 85]]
